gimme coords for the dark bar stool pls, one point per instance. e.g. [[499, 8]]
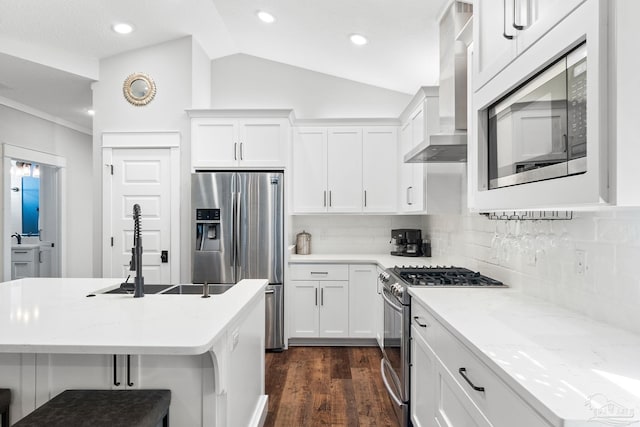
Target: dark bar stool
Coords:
[[102, 408], [5, 403]]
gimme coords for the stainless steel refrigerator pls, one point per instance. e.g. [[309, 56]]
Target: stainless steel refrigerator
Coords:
[[237, 223]]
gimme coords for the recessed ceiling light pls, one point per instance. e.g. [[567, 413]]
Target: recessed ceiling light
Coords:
[[91, 112], [358, 39], [265, 16], [122, 28]]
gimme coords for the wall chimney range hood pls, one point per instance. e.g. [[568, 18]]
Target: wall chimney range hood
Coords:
[[449, 141]]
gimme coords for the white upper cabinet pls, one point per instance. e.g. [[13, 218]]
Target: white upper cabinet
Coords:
[[493, 36], [262, 142], [229, 142], [310, 170], [214, 142], [344, 169], [537, 17], [505, 29], [410, 191], [379, 160]]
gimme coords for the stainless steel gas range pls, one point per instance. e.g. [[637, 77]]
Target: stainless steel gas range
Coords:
[[396, 360]]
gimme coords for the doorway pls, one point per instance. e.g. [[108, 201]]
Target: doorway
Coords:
[[34, 200], [142, 168]]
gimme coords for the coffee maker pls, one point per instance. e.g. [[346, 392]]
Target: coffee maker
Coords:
[[407, 242]]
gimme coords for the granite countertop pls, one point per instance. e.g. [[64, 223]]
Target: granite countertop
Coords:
[[564, 363], [44, 315]]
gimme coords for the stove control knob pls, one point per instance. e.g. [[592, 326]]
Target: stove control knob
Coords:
[[397, 289]]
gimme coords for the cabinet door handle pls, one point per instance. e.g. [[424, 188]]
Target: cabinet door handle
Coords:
[[516, 26], [235, 151], [316, 296], [329, 198], [504, 22], [129, 383], [322, 296], [365, 198], [422, 325], [242, 150], [462, 372], [409, 202], [115, 371]]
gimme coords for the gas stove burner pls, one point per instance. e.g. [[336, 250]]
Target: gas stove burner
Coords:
[[443, 276]]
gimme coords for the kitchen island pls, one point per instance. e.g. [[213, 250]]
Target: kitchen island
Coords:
[[57, 334]]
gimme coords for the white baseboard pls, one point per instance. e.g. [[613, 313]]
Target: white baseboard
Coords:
[[260, 414]]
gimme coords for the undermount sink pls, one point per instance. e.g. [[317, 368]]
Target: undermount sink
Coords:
[[197, 289], [148, 289]]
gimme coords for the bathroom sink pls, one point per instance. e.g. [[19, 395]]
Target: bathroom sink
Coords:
[[196, 290], [148, 289]]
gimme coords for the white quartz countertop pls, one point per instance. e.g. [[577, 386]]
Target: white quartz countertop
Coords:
[[383, 260], [42, 315], [565, 364]]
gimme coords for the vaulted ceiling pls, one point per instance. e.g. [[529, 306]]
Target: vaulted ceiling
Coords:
[[50, 49]]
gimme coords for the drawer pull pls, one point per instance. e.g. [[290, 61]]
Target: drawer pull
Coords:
[[473, 386], [19, 252], [422, 325], [319, 272]]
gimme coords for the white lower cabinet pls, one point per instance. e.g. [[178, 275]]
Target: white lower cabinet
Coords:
[[423, 382], [450, 385], [320, 309], [363, 294], [56, 373], [334, 301], [24, 262], [378, 310]]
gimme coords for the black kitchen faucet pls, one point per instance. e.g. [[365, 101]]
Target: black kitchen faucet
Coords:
[[18, 237], [136, 258]]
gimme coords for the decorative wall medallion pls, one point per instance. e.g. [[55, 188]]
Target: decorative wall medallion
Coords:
[[139, 89]]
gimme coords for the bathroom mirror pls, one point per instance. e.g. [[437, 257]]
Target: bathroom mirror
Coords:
[[139, 89], [25, 198]]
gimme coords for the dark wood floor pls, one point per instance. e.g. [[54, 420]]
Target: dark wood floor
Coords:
[[327, 386]]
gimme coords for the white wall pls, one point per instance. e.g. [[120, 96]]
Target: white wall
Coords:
[[609, 289], [24, 130], [244, 81], [201, 80], [351, 234]]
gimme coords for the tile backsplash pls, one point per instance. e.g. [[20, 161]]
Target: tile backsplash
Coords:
[[588, 264], [355, 234]]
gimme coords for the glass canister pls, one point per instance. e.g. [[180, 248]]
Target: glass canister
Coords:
[[303, 243]]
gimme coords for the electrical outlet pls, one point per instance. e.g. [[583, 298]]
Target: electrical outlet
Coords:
[[580, 262]]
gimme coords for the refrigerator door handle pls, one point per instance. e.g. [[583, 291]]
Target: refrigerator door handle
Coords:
[[233, 225], [238, 232]]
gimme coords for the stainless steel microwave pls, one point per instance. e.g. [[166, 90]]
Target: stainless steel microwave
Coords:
[[539, 130]]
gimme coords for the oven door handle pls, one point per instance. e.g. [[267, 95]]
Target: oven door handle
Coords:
[[393, 305], [395, 398]]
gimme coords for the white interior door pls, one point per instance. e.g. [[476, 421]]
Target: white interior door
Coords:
[[142, 176], [49, 219]]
